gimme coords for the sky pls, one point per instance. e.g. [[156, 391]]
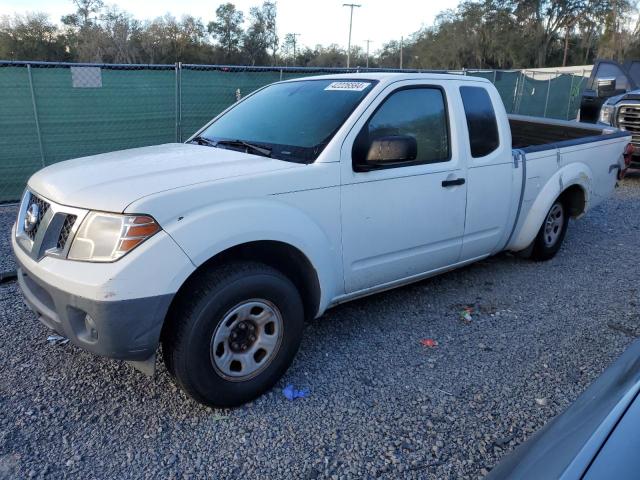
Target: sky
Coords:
[[318, 21]]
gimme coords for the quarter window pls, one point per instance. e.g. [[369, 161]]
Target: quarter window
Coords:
[[415, 112], [481, 121]]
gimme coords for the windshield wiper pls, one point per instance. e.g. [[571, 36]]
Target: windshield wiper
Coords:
[[200, 140], [266, 152]]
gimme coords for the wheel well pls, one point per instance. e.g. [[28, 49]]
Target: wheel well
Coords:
[[279, 255], [575, 200]]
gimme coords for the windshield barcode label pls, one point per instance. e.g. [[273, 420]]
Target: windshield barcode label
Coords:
[[349, 86]]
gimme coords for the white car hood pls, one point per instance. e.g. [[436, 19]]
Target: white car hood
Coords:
[[111, 181]]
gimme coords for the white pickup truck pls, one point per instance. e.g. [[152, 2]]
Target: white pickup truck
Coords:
[[303, 195]]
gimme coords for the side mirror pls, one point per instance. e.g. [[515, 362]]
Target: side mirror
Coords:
[[606, 87], [386, 151]]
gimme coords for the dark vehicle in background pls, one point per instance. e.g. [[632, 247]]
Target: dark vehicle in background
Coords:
[[608, 79], [612, 97], [598, 437]]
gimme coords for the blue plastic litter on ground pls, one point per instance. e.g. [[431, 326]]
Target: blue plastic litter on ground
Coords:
[[292, 393]]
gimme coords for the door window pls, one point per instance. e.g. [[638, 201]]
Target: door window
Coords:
[[419, 113], [610, 70], [634, 72]]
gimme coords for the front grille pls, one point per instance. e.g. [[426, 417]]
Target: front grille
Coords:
[[629, 119], [45, 227], [43, 206], [67, 226]]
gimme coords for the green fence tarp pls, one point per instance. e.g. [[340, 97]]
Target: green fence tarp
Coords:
[[133, 106]]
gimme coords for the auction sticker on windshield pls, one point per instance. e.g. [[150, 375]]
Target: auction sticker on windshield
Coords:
[[348, 86]]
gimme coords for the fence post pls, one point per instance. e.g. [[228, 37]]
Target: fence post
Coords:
[[35, 113], [546, 102], [570, 94], [533, 79], [178, 94], [280, 74], [514, 107]]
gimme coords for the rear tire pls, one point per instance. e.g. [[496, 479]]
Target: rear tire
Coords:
[[233, 334], [551, 233]]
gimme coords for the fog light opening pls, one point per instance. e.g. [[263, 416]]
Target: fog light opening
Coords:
[[90, 328]]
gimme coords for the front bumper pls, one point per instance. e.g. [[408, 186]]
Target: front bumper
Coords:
[[111, 309], [121, 329]]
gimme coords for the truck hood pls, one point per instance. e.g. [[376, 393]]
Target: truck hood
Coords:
[[111, 181], [631, 95]]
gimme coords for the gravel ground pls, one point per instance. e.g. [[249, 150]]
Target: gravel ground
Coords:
[[381, 404], [7, 217]]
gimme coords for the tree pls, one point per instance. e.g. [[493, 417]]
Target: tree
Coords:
[[84, 10], [256, 38], [270, 13], [616, 17], [227, 29], [476, 34], [84, 36], [289, 48], [120, 35], [543, 20], [261, 35], [330, 56], [30, 37]]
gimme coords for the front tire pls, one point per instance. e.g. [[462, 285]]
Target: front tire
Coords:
[[551, 233], [233, 333]]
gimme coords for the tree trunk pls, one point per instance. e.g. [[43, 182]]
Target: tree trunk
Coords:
[[566, 48], [588, 50], [542, 53], [542, 56]]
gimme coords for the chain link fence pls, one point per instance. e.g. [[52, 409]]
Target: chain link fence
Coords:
[[51, 112]]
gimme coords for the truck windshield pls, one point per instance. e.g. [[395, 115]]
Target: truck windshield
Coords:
[[292, 120]]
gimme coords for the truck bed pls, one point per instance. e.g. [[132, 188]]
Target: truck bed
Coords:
[[530, 132], [555, 155]]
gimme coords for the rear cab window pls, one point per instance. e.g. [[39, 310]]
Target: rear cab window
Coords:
[[481, 121]]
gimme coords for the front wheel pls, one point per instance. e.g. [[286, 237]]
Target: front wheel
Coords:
[[551, 233], [232, 336]]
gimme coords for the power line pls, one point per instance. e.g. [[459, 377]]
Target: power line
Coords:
[[352, 6]]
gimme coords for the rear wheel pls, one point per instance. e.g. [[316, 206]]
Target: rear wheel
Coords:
[[233, 336], [551, 233]]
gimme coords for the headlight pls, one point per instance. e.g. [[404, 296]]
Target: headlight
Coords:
[[105, 237], [606, 114]]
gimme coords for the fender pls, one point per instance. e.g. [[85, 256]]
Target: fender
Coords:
[[572, 174], [250, 220]]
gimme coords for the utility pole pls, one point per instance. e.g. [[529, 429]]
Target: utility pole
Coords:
[[295, 35], [351, 6], [368, 42], [401, 45]]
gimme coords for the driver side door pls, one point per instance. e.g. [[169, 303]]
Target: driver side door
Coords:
[[407, 219]]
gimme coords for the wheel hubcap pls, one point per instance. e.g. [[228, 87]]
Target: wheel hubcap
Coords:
[[247, 339], [553, 225]]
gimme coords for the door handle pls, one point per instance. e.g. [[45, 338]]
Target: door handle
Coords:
[[452, 183]]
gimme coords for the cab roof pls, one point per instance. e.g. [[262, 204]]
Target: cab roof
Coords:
[[388, 77]]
